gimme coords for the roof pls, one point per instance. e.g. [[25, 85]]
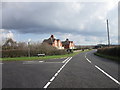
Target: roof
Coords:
[[9, 41], [50, 40], [67, 42]]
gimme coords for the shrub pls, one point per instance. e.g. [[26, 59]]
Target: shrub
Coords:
[[112, 51], [34, 50]]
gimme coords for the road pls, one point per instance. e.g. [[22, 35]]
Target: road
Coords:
[[84, 70]]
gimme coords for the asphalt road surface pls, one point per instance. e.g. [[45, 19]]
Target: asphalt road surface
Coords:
[[84, 70]]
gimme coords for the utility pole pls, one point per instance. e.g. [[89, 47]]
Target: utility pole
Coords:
[[29, 47], [108, 33]]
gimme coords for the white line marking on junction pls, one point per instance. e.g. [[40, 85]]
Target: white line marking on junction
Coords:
[[67, 60], [1, 63], [107, 75], [41, 61], [37, 62]]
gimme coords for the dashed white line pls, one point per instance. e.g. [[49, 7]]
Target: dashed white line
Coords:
[[37, 62], [52, 79], [67, 60], [103, 71], [41, 61], [1, 63], [107, 75], [56, 74], [87, 59], [58, 71], [47, 85]]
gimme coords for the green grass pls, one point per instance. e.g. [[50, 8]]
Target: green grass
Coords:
[[108, 57], [40, 58]]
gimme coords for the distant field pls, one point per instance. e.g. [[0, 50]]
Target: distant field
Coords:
[[109, 52], [41, 58]]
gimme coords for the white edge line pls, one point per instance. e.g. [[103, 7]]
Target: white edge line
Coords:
[[108, 75], [57, 73]]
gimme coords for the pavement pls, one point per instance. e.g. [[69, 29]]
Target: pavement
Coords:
[[84, 70]]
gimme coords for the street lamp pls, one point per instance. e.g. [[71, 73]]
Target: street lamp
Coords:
[[29, 40]]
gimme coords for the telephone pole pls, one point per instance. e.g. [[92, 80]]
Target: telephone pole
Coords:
[[108, 33]]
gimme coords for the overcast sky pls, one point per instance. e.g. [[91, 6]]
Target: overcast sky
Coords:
[[84, 23]]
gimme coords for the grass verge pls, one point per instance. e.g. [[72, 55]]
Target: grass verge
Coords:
[[117, 59], [41, 58]]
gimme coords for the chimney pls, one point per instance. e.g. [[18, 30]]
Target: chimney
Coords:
[[67, 39], [52, 36]]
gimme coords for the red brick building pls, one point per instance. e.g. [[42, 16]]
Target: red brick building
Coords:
[[58, 44], [68, 44], [54, 42]]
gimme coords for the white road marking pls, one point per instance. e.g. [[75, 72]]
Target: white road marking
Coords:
[[1, 63], [107, 75], [47, 85], [37, 62], [52, 62], [87, 59], [41, 61], [56, 74], [52, 79], [67, 60], [103, 71]]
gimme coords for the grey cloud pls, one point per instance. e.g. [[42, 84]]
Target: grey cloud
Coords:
[[53, 17]]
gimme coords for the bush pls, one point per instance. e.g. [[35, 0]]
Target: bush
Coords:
[[34, 50], [111, 51]]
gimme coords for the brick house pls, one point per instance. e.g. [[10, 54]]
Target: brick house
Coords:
[[68, 44], [10, 44], [54, 42], [58, 44]]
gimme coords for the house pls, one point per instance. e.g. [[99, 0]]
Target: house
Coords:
[[58, 44], [10, 43], [54, 42], [68, 44]]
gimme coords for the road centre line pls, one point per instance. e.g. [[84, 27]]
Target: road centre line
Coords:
[[52, 79], [87, 59], [107, 75], [47, 85], [67, 60], [103, 71]]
